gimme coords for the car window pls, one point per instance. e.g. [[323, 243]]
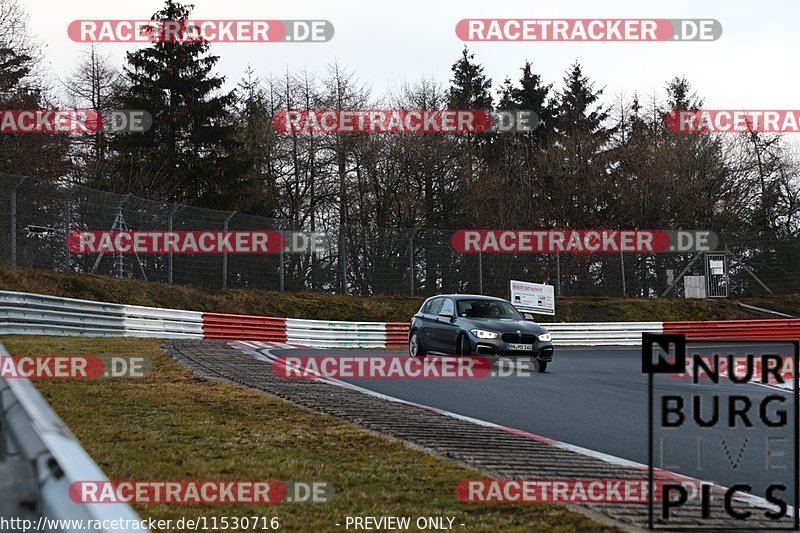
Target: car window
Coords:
[[434, 306], [480, 308], [447, 306]]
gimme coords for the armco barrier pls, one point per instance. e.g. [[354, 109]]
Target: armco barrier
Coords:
[[600, 333], [736, 329], [396, 334], [40, 459], [565, 333], [40, 314], [243, 327], [335, 333]]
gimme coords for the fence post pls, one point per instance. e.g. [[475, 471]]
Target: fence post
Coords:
[[67, 222], [171, 215], [411, 262], [622, 267], [280, 271], [558, 274], [343, 258], [13, 221], [225, 255], [480, 272]]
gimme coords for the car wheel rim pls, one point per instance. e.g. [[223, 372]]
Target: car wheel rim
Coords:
[[412, 345]]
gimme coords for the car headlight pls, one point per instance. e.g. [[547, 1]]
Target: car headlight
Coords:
[[483, 334], [545, 337]]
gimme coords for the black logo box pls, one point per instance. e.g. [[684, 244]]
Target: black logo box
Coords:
[[662, 366]]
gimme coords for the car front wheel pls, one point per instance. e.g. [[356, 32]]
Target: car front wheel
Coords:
[[541, 366], [415, 347]]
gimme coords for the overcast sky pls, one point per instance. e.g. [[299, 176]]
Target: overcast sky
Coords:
[[754, 65]]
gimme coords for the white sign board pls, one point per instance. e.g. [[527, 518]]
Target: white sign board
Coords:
[[533, 297], [694, 286]]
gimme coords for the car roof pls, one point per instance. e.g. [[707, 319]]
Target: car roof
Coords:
[[468, 297]]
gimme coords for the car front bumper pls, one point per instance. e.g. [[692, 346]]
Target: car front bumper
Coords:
[[542, 351]]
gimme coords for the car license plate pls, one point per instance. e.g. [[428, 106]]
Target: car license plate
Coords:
[[519, 347]]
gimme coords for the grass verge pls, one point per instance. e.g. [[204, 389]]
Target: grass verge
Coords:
[[175, 425], [324, 306]]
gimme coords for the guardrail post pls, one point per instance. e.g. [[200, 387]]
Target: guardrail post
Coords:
[[225, 255]]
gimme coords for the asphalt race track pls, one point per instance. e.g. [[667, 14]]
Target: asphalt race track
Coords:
[[597, 398]]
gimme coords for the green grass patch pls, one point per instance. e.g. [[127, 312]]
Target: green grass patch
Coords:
[[175, 425]]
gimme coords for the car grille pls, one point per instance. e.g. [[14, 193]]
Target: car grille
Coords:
[[516, 338]]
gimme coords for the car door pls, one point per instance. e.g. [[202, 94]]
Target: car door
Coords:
[[446, 328], [428, 322]]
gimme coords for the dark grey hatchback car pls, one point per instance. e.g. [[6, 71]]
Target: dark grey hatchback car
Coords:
[[464, 324]]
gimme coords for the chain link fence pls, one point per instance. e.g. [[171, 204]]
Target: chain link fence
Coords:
[[37, 216]]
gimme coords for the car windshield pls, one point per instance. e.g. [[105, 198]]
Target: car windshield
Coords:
[[479, 308]]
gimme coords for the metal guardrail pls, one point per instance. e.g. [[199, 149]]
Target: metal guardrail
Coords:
[[40, 459], [336, 333], [40, 314], [601, 333]]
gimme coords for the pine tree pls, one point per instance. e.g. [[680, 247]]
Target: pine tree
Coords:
[[469, 86], [187, 155], [531, 94]]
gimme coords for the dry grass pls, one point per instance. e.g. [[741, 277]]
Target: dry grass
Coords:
[[176, 425]]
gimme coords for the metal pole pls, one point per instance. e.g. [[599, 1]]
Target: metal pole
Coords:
[[13, 221], [119, 255], [225, 255], [343, 258], [558, 274], [622, 265], [67, 222], [13, 233], [170, 218], [411, 263], [480, 272], [280, 270]]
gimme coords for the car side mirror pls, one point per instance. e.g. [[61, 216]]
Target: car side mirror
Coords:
[[528, 316], [447, 314]]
